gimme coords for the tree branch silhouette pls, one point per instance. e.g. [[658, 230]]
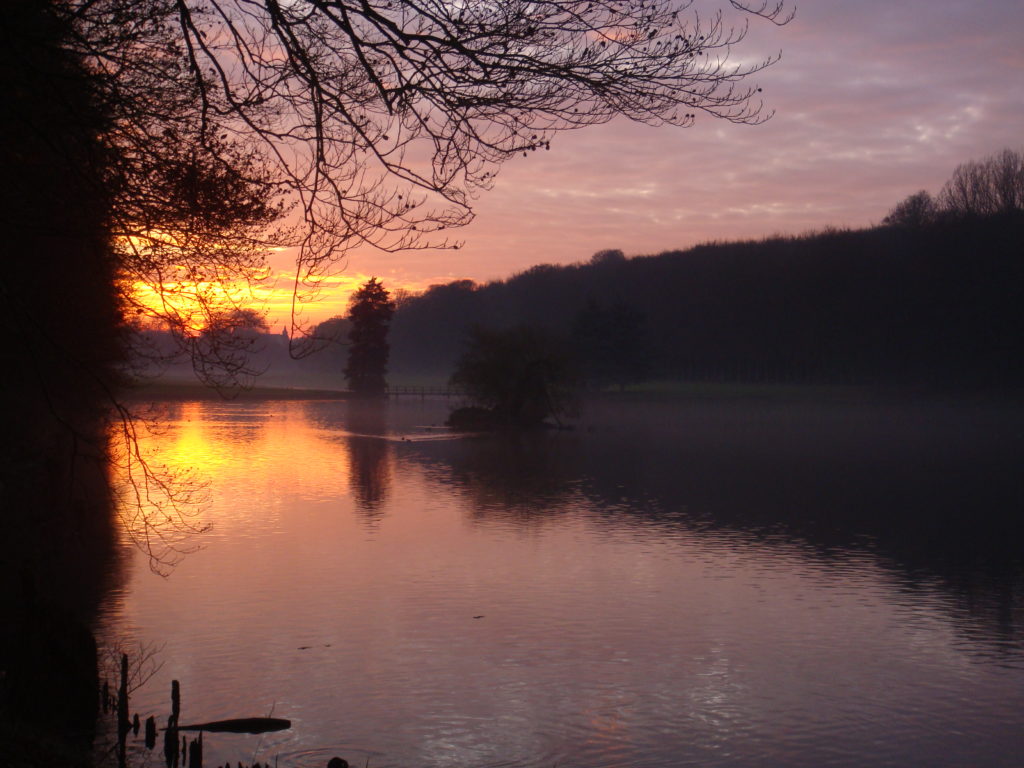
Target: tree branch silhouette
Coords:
[[379, 121]]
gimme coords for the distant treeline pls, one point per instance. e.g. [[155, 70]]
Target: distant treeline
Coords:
[[267, 358], [931, 298], [937, 303]]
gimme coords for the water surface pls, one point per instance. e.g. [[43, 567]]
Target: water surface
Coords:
[[704, 583]]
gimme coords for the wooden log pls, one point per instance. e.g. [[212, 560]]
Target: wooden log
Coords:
[[240, 725]]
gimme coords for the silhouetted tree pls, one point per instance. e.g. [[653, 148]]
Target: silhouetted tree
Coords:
[[222, 352], [608, 256], [982, 187], [917, 210], [520, 375], [333, 331], [327, 345], [370, 312]]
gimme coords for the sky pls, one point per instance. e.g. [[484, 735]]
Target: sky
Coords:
[[873, 100]]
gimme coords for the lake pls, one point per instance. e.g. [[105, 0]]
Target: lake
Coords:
[[699, 582]]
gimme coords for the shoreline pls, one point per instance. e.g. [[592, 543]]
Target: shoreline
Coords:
[[654, 391], [197, 391]]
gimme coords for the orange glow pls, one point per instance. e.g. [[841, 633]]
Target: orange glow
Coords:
[[246, 456], [272, 296]]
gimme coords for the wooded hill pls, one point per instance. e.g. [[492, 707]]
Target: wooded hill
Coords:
[[923, 304]]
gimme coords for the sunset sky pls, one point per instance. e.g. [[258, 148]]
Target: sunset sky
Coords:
[[873, 100]]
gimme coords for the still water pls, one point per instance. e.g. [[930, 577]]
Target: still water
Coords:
[[703, 583]]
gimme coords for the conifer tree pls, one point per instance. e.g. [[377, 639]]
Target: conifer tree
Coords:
[[370, 312]]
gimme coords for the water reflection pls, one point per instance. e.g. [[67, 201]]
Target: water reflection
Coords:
[[931, 493], [704, 584], [520, 478], [369, 455]]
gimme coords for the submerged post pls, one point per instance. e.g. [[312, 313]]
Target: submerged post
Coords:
[[124, 723], [150, 732], [195, 755], [171, 746]]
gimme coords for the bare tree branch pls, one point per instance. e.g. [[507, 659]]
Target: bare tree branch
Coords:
[[381, 120]]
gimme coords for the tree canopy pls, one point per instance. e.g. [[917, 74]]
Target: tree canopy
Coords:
[[520, 376], [917, 210], [991, 186]]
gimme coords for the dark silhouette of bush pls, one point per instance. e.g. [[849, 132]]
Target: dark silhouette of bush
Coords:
[[520, 376], [917, 210]]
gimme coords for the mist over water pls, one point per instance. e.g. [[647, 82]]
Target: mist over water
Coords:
[[715, 583]]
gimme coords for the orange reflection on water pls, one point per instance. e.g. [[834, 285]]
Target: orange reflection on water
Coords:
[[255, 456]]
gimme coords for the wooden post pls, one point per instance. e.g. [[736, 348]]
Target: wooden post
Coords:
[[171, 746], [175, 701], [195, 753], [124, 724], [123, 721], [150, 732]]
